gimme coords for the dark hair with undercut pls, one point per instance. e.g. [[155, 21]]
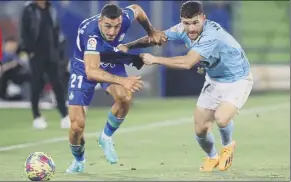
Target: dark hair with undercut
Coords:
[[190, 9], [111, 11]]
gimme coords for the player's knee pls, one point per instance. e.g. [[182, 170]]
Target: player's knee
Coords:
[[202, 121], [77, 124], [202, 127], [222, 119], [123, 98]]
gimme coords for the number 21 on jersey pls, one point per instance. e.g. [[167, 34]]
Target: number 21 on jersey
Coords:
[[75, 78]]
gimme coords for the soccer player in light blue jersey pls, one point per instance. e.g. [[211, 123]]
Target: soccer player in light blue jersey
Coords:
[[228, 78], [96, 35]]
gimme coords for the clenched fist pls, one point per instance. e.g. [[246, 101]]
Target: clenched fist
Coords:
[[148, 59], [122, 48], [157, 37]]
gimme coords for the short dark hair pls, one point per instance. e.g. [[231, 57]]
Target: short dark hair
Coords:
[[111, 11], [10, 39], [190, 9]]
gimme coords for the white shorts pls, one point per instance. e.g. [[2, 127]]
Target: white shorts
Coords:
[[213, 93]]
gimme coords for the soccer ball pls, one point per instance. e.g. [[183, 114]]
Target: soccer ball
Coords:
[[39, 166]]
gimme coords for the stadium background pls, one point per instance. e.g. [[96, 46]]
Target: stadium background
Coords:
[[262, 28]]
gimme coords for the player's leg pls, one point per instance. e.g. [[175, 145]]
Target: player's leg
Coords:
[[78, 100], [235, 97], [80, 91], [204, 118], [76, 138], [37, 68], [122, 100], [223, 116]]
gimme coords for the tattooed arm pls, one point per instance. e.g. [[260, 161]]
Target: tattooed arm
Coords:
[[154, 36]]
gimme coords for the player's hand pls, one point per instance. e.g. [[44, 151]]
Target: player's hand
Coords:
[[122, 48], [157, 37], [148, 59], [132, 83]]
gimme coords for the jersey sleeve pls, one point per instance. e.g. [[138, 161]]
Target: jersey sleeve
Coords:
[[205, 45], [174, 32], [129, 14], [92, 44]]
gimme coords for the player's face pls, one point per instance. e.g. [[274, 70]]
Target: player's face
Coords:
[[193, 26], [110, 27], [11, 46]]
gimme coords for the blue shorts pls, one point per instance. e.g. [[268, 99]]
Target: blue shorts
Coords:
[[80, 89]]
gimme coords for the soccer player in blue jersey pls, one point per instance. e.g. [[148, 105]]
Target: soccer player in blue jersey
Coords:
[[228, 78], [102, 33]]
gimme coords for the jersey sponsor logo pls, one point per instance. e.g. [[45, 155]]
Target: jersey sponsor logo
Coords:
[[105, 65], [91, 44]]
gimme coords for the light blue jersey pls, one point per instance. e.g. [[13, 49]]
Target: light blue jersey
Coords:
[[223, 57]]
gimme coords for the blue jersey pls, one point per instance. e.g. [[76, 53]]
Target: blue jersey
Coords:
[[90, 40], [223, 57]]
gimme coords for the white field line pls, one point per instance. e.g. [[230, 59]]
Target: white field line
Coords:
[[155, 125]]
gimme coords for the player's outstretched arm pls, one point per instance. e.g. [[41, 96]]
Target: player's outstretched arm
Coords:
[[172, 33], [142, 18], [140, 43], [179, 62], [93, 72], [143, 42], [155, 36]]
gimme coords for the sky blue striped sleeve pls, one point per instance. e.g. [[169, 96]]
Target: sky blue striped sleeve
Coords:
[[173, 33]]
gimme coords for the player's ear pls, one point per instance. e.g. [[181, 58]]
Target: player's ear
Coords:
[[204, 16], [99, 20]]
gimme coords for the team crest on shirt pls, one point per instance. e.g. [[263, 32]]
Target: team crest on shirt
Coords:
[[121, 37], [200, 70], [91, 44], [71, 97]]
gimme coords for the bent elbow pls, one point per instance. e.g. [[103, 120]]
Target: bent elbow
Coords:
[[135, 6], [137, 9], [89, 74], [187, 66]]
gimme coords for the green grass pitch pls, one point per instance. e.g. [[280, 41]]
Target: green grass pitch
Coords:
[[156, 142]]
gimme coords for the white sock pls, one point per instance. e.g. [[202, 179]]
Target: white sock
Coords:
[[103, 135], [214, 157]]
